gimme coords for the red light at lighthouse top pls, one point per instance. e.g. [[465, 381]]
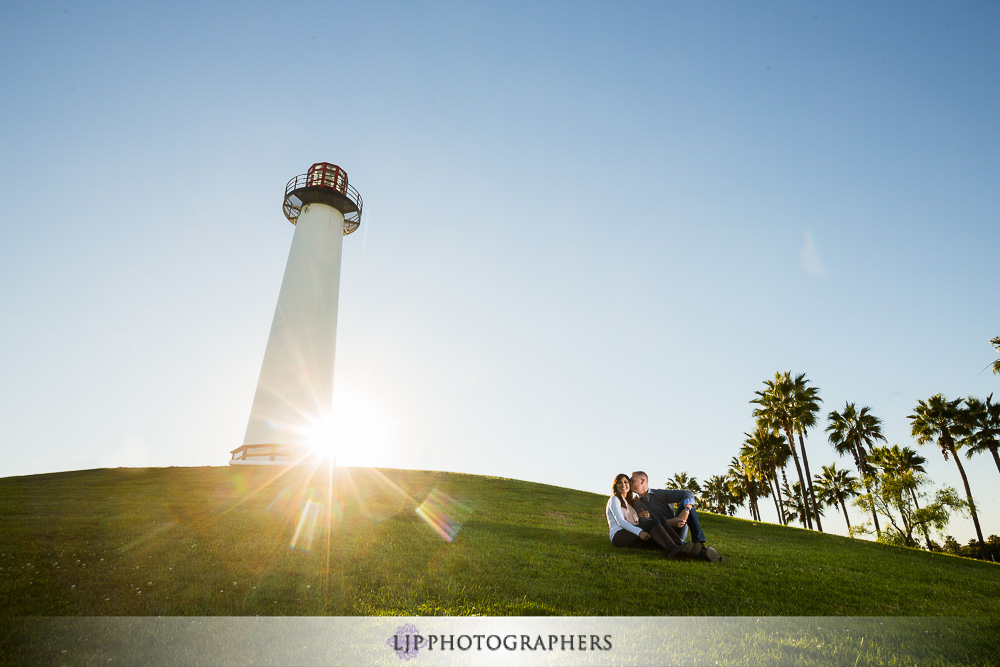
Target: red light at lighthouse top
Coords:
[[324, 174], [324, 183]]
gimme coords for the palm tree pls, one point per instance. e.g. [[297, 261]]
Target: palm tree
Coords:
[[806, 407], [778, 409], [795, 508], [836, 487], [938, 419], [763, 453], [681, 480], [718, 497], [996, 364], [739, 486], [854, 432], [792, 506], [898, 462], [746, 485], [982, 419]]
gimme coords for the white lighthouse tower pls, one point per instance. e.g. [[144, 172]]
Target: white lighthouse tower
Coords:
[[295, 390]]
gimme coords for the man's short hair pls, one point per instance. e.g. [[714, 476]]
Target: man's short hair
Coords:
[[639, 472]]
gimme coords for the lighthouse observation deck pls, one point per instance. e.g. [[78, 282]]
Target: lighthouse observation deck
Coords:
[[324, 183]]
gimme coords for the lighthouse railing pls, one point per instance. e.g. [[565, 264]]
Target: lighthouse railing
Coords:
[[293, 204]]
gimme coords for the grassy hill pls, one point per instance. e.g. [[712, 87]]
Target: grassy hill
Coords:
[[219, 541]]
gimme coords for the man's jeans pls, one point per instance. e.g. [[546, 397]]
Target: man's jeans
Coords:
[[695, 527]]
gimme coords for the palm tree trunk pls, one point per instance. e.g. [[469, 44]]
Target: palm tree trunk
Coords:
[[996, 457], [968, 494], [923, 528], [784, 481], [798, 469], [812, 494], [779, 505], [843, 506], [906, 523], [754, 513], [862, 462], [868, 489]]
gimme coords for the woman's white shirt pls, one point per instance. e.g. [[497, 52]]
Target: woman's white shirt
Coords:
[[618, 518]]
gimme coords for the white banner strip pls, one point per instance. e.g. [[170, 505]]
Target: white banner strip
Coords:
[[420, 641]]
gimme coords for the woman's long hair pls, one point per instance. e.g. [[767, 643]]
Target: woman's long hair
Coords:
[[614, 488]]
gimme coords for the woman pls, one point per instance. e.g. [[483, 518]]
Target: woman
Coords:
[[629, 529]]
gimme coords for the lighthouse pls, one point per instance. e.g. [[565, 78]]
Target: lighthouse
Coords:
[[294, 396]]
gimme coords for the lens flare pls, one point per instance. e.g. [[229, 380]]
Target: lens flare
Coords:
[[312, 520], [443, 514], [305, 532]]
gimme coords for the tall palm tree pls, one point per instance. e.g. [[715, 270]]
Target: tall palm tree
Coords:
[[792, 506], [982, 419], [681, 480], [764, 453], [939, 420], [739, 486], [746, 484], [836, 487], [805, 408], [995, 342], [898, 459], [795, 507], [778, 408], [852, 431], [892, 463], [718, 497]]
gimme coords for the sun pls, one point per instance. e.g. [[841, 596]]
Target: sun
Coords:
[[321, 437], [355, 432]]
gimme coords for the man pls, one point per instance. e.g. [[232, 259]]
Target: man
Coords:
[[660, 504]]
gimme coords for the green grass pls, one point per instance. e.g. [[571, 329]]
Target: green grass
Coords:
[[216, 542]]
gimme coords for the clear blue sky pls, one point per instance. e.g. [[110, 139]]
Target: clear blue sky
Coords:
[[591, 229]]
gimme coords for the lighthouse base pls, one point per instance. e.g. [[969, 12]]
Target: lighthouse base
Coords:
[[272, 455]]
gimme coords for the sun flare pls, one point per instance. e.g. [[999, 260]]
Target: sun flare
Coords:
[[322, 436], [354, 432]]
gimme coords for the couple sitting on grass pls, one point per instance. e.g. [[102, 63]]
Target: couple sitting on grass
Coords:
[[642, 517]]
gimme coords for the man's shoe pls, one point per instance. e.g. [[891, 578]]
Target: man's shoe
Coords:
[[710, 554]]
